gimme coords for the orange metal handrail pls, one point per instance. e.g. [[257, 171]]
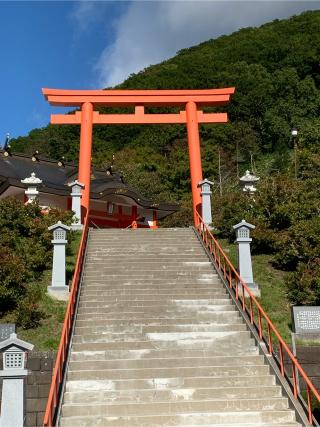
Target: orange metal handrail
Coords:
[[252, 308], [58, 371]]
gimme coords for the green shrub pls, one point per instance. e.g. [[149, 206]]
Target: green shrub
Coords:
[[25, 252], [28, 313], [13, 274], [303, 285], [300, 244]]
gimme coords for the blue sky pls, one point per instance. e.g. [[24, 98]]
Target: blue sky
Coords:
[[85, 45]]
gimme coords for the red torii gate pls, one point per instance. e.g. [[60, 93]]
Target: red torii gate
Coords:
[[87, 100]]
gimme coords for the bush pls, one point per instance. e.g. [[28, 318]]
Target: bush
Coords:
[[303, 286], [300, 244], [13, 274], [25, 252], [28, 313]]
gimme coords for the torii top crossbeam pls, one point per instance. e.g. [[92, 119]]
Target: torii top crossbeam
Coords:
[[189, 100]]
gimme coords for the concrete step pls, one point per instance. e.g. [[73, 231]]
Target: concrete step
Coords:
[[138, 293], [170, 383], [166, 338], [156, 274], [95, 354], [100, 257], [166, 362], [152, 302], [141, 317], [111, 269], [160, 287], [161, 310], [220, 318], [164, 408], [218, 419], [121, 233], [162, 283], [184, 243], [143, 329], [173, 394], [209, 344], [146, 252], [168, 372]]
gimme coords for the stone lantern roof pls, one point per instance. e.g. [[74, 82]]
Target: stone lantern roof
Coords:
[[249, 178], [14, 341], [33, 180], [58, 225], [75, 182], [244, 223], [205, 181]]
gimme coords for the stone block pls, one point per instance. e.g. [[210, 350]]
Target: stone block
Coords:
[[32, 379], [44, 390], [43, 377], [31, 419], [46, 365], [40, 417], [36, 405], [34, 363], [32, 391]]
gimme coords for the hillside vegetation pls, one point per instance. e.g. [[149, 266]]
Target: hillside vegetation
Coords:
[[276, 71], [26, 256]]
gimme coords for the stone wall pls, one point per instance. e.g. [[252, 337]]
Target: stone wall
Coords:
[[309, 359], [40, 365]]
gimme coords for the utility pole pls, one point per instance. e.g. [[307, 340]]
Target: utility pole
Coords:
[[237, 158], [294, 134], [219, 168]]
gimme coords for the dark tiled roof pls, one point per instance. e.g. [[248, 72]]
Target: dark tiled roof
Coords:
[[55, 179]]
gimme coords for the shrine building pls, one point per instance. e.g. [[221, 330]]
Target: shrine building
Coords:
[[113, 203]]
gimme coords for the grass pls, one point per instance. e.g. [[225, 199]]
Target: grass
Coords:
[[271, 283], [47, 335]]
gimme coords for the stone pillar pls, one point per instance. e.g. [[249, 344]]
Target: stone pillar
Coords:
[[76, 194], [13, 373], [206, 200], [58, 286], [244, 254], [32, 192]]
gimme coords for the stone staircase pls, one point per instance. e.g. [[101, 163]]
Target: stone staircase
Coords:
[[158, 341]]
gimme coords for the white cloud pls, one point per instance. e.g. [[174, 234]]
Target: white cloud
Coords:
[[149, 32], [84, 13]]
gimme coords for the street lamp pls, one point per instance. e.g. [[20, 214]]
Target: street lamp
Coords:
[[294, 134]]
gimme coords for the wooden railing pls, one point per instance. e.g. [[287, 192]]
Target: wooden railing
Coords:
[[259, 319], [62, 355]]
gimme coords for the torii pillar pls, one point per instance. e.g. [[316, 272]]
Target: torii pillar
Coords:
[[194, 157], [85, 154]]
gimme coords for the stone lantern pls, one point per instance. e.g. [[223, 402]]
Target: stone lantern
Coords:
[[206, 193], [13, 373], [31, 192], [244, 254], [58, 282], [76, 194], [248, 182]]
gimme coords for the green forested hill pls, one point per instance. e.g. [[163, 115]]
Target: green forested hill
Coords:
[[276, 71]]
